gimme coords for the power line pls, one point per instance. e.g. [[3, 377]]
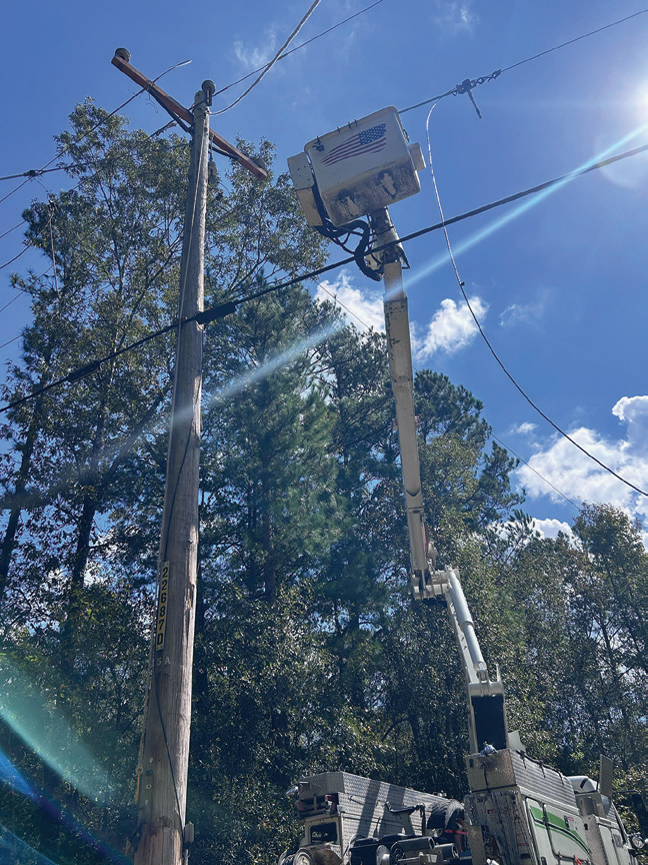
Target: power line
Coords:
[[504, 369], [36, 172], [509, 199], [535, 471], [9, 341], [8, 303], [228, 307], [576, 39], [337, 301], [95, 162], [469, 84], [9, 230], [28, 245], [15, 189], [89, 368]]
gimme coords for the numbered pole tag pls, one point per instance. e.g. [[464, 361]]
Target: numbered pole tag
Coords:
[[162, 608]]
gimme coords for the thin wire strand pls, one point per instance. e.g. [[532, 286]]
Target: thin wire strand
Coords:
[[535, 471], [8, 303], [65, 147], [576, 39], [455, 90], [28, 245], [9, 341], [9, 230], [490, 347], [227, 307], [274, 60], [15, 189], [337, 301]]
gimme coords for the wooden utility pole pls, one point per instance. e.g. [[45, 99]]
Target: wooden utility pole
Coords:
[[162, 835], [165, 752]]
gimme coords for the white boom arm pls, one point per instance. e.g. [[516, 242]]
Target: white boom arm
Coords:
[[485, 697]]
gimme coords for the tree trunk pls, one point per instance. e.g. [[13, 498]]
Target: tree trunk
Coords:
[[9, 540]]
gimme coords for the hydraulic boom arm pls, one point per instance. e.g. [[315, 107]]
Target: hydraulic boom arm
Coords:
[[487, 723]]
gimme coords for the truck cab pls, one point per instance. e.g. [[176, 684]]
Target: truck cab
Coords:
[[351, 820]]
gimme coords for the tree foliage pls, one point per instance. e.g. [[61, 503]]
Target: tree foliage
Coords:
[[309, 654]]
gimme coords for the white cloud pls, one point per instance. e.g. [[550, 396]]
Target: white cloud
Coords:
[[581, 479], [452, 328], [634, 412], [524, 429], [550, 528], [527, 313], [359, 305], [254, 58], [455, 15]]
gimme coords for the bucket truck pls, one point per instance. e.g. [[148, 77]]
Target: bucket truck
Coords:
[[518, 811]]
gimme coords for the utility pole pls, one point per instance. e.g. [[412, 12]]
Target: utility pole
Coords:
[[162, 836], [165, 752]]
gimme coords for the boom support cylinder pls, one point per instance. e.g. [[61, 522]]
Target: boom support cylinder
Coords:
[[402, 376]]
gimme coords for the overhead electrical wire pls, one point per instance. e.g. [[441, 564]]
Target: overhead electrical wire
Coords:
[[8, 303], [13, 339], [535, 471], [228, 307], [29, 244], [503, 367], [468, 84], [576, 39], [460, 88], [30, 175], [9, 230]]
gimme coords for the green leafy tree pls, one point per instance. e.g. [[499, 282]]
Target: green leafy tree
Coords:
[[84, 465]]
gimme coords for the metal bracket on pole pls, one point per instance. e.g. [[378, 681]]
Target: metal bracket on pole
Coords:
[[122, 61]]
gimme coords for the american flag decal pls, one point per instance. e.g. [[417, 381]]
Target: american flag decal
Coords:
[[369, 141]]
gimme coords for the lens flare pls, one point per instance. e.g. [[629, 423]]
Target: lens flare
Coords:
[[464, 245], [12, 778], [44, 729], [17, 851], [240, 382]]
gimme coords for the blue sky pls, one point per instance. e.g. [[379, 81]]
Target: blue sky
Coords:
[[558, 284]]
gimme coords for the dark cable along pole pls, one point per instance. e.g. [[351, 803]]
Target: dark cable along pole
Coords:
[[165, 745], [162, 835]]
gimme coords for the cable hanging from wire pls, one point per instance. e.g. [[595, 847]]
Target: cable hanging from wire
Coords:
[[228, 307], [501, 364]]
